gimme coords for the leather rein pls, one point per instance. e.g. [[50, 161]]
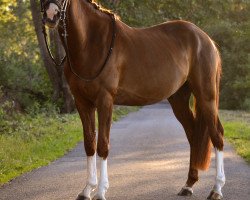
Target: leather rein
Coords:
[[63, 21]]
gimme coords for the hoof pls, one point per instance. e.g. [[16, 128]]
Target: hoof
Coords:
[[214, 196], [80, 197], [186, 192], [97, 197]]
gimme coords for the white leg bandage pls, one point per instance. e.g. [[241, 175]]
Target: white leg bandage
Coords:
[[103, 181], [188, 188], [92, 177], [220, 175]]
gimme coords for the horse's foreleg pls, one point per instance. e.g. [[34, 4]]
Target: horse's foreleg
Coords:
[[104, 109], [92, 176], [87, 114], [220, 176], [103, 184]]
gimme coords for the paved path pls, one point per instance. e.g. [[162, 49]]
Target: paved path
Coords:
[[148, 160]]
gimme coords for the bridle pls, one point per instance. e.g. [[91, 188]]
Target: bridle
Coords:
[[63, 21], [44, 4]]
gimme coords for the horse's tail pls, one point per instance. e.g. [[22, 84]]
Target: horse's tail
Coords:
[[201, 143], [218, 77]]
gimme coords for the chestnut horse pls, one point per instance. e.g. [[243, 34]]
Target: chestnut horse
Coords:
[[111, 63]]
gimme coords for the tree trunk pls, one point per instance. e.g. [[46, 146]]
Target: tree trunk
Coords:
[[56, 76], [59, 52]]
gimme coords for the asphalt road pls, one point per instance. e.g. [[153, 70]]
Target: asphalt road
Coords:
[[149, 160]]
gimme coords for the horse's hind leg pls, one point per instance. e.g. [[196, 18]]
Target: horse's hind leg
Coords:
[[205, 86], [210, 112], [180, 105]]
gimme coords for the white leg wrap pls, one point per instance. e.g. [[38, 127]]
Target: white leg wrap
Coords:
[[220, 175], [188, 188], [103, 181], [92, 177]]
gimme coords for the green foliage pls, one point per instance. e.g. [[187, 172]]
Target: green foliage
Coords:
[[6, 8], [21, 72], [232, 35]]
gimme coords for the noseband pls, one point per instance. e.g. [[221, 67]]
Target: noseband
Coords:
[[63, 18]]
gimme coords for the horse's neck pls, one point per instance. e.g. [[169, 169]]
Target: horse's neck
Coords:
[[89, 34], [85, 22]]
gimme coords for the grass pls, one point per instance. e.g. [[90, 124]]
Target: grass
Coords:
[[237, 131], [30, 142]]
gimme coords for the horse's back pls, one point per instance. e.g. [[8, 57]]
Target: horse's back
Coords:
[[156, 61]]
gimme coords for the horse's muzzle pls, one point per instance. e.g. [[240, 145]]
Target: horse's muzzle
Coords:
[[51, 23]]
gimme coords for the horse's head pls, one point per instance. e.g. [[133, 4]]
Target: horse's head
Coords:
[[51, 12]]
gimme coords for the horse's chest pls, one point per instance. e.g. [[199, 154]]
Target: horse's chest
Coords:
[[81, 90]]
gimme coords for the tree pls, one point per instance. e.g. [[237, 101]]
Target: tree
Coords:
[[60, 87], [21, 77]]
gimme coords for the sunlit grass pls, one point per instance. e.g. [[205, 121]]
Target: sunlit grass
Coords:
[[237, 131]]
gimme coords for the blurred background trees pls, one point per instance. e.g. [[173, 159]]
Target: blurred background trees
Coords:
[[28, 77]]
